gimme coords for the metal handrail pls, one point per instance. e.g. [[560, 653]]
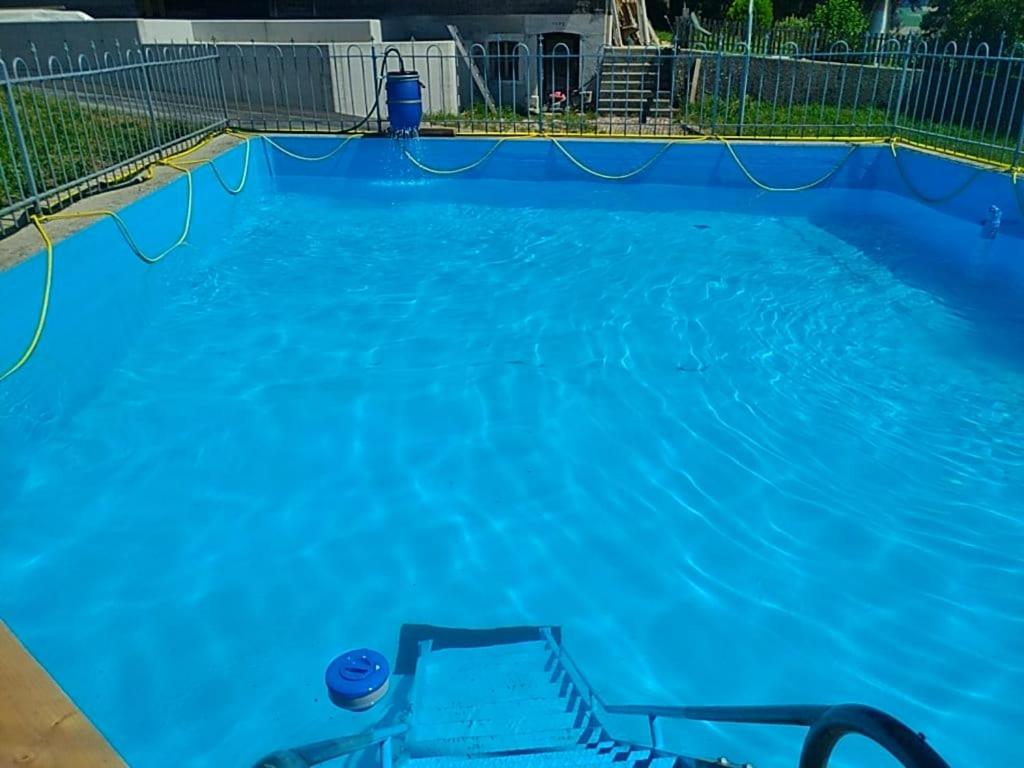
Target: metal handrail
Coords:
[[827, 724], [329, 749]]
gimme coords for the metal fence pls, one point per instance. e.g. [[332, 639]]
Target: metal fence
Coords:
[[71, 126]]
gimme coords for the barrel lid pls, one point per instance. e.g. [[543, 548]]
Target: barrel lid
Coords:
[[357, 673], [407, 75]]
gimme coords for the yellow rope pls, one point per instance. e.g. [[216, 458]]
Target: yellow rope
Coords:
[[609, 176], [451, 171], [317, 159], [44, 309], [803, 187], [920, 195]]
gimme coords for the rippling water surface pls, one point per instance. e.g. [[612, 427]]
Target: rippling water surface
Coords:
[[742, 455]]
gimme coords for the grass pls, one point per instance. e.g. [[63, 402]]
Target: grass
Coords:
[[825, 121], [507, 119], [67, 139]]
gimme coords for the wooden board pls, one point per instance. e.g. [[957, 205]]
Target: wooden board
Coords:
[[39, 725]]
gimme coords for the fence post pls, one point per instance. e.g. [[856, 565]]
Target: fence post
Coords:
[[1020, 139], [903, 86], [147, 89], [715, 97], [745, 79], [20, 138], [540, 86], [376, 85], [220, 82]]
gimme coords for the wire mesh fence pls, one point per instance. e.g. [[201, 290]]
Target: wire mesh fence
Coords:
[[69, 126]]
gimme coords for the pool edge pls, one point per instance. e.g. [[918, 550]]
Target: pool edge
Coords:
[[41, 724]]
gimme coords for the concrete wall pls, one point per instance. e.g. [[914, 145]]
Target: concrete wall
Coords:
[[477, 30], [95, 8], [813, 82], [284, 31], [353, 72], [327, 81], [50, 37]]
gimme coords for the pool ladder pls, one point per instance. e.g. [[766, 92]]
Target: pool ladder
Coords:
[[514, 698]]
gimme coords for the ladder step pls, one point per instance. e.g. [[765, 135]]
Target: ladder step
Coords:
[[509, 724], [572, 758], [558, 738], [458, 712]]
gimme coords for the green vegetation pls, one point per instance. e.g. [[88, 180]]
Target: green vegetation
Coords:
[[983, 20], [67, 140], [764, 13], [478, 117], [816, 120], [840, 20]]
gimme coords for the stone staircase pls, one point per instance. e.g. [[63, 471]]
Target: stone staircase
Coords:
[[633, 83]]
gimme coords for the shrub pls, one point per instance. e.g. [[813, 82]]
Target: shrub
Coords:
[[840, 20], [763, 12]]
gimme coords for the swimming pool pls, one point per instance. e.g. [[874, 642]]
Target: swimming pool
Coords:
[[745, 447]]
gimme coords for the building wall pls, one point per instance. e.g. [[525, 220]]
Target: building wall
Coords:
[[50, 37], [99, 9], [289, 30], [354, 65]]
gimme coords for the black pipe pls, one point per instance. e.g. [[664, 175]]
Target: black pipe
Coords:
[[907, 746]]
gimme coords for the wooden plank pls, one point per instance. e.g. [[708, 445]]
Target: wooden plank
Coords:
[[477, 77], [39, 725]]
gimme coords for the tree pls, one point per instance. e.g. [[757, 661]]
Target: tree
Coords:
[[763, 12], [840, 20], [983, 20]]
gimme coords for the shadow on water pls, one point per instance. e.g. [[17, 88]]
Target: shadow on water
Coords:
[[978, 279]]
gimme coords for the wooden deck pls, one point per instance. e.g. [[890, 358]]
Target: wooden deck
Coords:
[[39, 725]]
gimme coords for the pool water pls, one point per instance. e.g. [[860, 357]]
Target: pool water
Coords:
[[743, 450]]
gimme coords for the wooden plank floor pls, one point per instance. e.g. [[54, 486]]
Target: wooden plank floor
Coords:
[[40, 727]]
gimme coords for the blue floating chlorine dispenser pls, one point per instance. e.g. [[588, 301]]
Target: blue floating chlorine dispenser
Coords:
[[358, 679]]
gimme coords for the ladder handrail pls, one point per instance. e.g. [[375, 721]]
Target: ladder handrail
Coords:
[[329, 749], [827, 724]]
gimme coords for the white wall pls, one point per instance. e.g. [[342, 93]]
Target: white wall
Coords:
[[286, 31], [353, 74]]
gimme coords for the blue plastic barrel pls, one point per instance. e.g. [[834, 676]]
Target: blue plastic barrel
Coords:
[[405, 107]]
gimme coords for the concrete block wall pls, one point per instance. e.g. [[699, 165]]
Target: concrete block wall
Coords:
[[354, 77]]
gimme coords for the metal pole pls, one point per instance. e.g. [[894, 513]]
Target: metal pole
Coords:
[[1020, 145], [903, 84], [20, 138], [147, 89], [746, 66], [218, 63], [376, 85]]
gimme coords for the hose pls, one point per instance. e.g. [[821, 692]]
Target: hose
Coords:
[[608, 176], [802, 188], [295, 156], [43, 309], [175, 162], [920, 195], [453, 171]]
